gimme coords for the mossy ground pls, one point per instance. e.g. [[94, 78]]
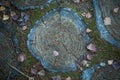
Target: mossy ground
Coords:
[[105, 51]]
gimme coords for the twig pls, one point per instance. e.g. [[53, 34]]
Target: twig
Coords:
[[20, 72]]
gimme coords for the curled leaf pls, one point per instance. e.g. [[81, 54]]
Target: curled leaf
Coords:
[[83, 14], [116, 9], [91, 47], [88, 15], [21, 57], [89, 56]]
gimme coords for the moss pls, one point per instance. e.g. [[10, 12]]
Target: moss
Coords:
[[37, 13]]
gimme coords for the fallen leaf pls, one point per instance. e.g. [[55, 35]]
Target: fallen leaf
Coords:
[[116, 9], [89, 56], [41, 73], [13, 15], [83, 14], [110, 62], [84, 62], [2, 8], [107, 21], [21, 57], [5, 17], [88, 30], [24, 28], [88, 15], [68, 78], [91, 47], [76, 1]]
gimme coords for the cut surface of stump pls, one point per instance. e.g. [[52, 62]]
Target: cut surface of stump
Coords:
[[58, 40]]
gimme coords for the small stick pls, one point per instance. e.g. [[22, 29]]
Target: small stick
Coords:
[[30, 78]]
